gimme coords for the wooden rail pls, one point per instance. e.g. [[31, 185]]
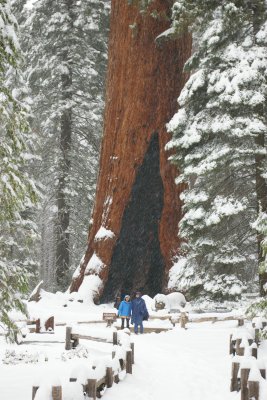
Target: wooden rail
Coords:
[[72, 339], [92, 387]]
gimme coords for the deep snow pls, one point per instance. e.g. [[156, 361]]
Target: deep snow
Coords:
[[179, 364]]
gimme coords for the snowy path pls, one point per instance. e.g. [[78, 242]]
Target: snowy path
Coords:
[[175, 365], [180, 365]]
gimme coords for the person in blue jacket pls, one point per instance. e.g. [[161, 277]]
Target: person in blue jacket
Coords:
[[125, 311], [139, 313]]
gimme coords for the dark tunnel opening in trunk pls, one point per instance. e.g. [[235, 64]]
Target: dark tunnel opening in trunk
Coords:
[[137, 262]]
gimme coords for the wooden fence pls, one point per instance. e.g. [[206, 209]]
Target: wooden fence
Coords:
[[123, 354], [247, 371]]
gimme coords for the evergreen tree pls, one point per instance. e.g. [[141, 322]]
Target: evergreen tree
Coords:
[[218, 138], [65, 43], [17, 190]]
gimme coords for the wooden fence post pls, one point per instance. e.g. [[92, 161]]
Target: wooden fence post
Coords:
[[116, 378], [113, 353], [132, 347], [115, 338], [257, 335], [38, 326], [254, 350], [75, 342], [244, 383], [56, 392], [68, 345], [240, 322], [234, 382], [253, 390], [263, 372], [231, 346], [91, 388], [237, 346], [50, 324], [129, 361], [109, 377], [34, 390], [234, 346]]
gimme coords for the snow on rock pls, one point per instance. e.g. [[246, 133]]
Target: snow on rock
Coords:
[[254, 375], [44, 393], [149, 301], [161, 300], [103, 234], [94, 265], [89, 288], [176, 300], [72, 391]]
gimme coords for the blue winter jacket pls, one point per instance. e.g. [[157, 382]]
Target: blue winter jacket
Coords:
[[125, 309], [139, 310]]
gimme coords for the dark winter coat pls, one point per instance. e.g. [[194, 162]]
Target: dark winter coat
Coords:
[[139, 310], [125, 309], [117, 304]]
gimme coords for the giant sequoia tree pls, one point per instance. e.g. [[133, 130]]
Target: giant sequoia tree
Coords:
[[133, 238]]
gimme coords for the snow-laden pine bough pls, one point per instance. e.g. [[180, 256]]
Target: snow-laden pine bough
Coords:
[[93, 379], [248, 373]]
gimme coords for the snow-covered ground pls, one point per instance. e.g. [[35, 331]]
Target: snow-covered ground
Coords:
[[186, 364]]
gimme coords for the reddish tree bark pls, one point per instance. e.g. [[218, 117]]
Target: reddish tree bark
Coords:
[[143, 83]]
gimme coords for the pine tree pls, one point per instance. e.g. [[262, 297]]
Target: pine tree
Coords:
[[65, 45], [17, 190], [217, 135]]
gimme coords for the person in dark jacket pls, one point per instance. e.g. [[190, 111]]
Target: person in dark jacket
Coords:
[[139, 313], [117, 302], [125, 311]]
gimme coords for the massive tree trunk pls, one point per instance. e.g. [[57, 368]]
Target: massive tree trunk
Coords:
[[137, 199]]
